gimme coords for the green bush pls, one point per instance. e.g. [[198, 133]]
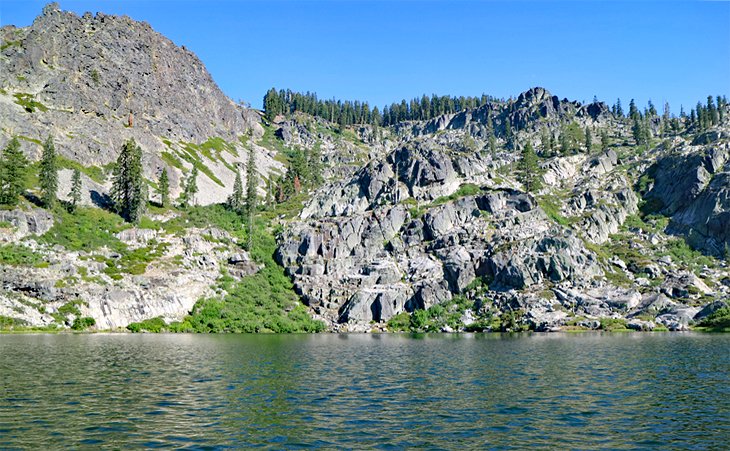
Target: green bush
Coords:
[[83, 323], [70, 308], [610, 324], [719, 320], [154, 325], [400, 322], [7, 322]]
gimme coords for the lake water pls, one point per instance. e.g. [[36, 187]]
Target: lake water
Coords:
[[580, 391]]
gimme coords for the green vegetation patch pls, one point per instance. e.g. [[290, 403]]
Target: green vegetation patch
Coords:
[[17, 255], [28, 102], [680, 251], [30, 140], [217, 145], [450, 313], [153, 325], [719, 321], [95, 173], [270, 141], [8, 322], [189, 153], [135, 261], [416, 211], [467, 189], [263, 302], [8, 44], [551, 206], [613, 324], [83, 323], [86, 229], [173, 161]]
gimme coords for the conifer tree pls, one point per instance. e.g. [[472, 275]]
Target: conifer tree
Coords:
[[604, 140], [75, 193], [235, 200], [711, 111], [189, 189], [637, 131], [163, 188], [129, 189], [529, 170], [251, 194], [633, 111], [720, 108], [492, 144], [619, 109], [48, 175], [652, 109], [589, 140], [13, 173]]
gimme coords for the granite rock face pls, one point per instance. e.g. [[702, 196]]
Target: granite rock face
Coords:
[[95, 81], [692, 186]]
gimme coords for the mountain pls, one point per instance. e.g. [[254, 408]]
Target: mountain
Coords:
[[93, 82], [421, 222]]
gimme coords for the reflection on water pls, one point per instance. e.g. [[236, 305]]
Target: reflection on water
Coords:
[[610, 391]]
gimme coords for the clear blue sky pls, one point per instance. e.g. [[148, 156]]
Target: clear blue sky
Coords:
[[386, 51]]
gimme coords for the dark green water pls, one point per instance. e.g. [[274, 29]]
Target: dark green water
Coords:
[[557, 391]]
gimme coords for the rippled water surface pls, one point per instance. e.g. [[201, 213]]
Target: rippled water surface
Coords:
[[609, 391]]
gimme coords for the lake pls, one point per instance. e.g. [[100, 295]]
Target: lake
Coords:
[[579, 391]]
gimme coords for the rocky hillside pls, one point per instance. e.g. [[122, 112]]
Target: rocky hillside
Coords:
[[441, 223], [421, 225]]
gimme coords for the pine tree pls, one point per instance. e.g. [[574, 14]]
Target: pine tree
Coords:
[[720, 108], [13, 173], [711, 111], [528, 169], [619, 109], [48, 175], [75, 193], [129, 189], [589, 140], [605, 142], [251, 194], [652, 109], [163, 188], [235, 200], [189, 189], [633, 111], [637, 131]]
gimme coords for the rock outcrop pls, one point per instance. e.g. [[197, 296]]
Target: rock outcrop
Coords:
[[692, 186]]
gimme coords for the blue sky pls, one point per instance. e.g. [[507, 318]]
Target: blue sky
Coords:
[[385, 51]]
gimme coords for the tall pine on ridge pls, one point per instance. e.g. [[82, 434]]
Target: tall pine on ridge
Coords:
[[528, 169], [251, 196], [48, 174], [75, 193], [129, 190], [163, 188], [13, 173]]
